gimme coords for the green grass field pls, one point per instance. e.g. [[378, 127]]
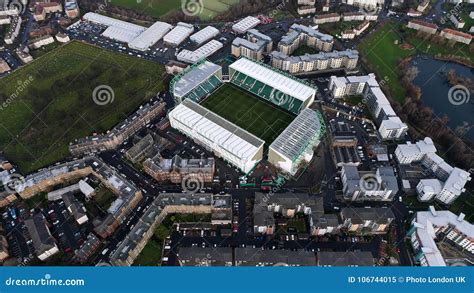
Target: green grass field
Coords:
[[249, 112], [157, 8], [53, 103], [382, 51]]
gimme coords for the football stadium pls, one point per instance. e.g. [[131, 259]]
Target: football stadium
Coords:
[[256, 105]]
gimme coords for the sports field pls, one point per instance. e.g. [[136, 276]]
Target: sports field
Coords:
[[48, 103], [205, 9], [249, 112]]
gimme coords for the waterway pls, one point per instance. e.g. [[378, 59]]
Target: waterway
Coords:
[[435, 92]]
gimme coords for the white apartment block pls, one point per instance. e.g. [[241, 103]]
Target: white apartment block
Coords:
[[390, 125], [428, 226], [449, 181]]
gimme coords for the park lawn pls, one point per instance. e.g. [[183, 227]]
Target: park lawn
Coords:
[[251, 113], [158, 8], [54, 105], [382, 53]]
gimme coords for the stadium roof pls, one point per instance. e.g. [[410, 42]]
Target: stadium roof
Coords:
[[202, 52], [228, 136], [295, 138], [177, 35], [117, 29], [194, 77], [274, 79], [245, 24], [150, 36], [205, 34]]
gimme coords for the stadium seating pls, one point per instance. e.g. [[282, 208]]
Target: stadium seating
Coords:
[[204, 89], [265, 92]]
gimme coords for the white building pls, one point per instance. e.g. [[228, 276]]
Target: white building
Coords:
[[390, 125], [150, 36], [200, 53], [427, 226], [297, 142], [245, 24], [450, 181], [204, 35], [177, 35], [118, 30], [228, 141]]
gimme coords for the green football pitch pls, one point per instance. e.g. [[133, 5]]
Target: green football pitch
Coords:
[[248, 112]]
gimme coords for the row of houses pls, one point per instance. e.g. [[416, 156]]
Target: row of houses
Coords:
[[128, 195], [120, 133], [271, 211], [258, 257], [350, 16], [219, 206], [446, 33], [177, 169]]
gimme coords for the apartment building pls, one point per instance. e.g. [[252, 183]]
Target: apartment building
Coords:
[[366, 221], [448, 182], [390, 125], [326, 18], [123, 131], [380, 185], [315, 62], [456, 36], [429, 229], [289, 206], [423, 26], [254, 47], [43, 242], [300, 35], [177, 169]]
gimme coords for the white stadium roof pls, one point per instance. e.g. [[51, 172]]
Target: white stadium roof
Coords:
[[194, 77], [245, 24], [274, 79], [293, 141], [228, 136], [202, 52], [177, 35], [150, 36], [204, 35]]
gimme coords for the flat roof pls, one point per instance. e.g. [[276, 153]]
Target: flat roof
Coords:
[[274, 79], [191, 79]]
